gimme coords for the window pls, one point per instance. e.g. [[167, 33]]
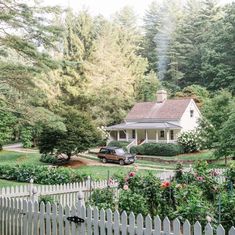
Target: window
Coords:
[[172, 135], [133, 134], [104, 151], [122, 135], [191, 113], [162, 134]]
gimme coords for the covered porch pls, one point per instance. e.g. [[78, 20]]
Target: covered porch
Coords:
[[139, 133]]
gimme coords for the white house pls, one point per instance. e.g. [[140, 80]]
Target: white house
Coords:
[[156, 122]]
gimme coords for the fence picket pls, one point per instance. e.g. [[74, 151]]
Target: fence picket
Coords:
[[131, 229], [197, 228], [176, 227], [41, 218], [116, 224], [67, 225], [231, 231], [102, 221], [166, 226], [124, 223], [35, 218], [89, 220], [73, 225], [60, 220], [29, 219], [109, 222], [208, 229], [148, 225], [96, 221], [220, 230], [139, 228], [157, 226], [186, 228], [48, 218]]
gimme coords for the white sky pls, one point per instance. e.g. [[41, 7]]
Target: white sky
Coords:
[[107, 7]]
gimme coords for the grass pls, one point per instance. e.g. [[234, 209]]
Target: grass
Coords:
[[8, 183], [103, 172], [15, 158]]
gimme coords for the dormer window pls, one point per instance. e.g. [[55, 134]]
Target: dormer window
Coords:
[[191, 113]]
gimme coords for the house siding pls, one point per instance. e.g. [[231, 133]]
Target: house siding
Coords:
[[190, 123]]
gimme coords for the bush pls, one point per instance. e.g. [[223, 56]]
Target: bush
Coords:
[[157, 149], [40, 174], [119, 144], [132, 202], [49, 158], [190, 141], [103, 198]]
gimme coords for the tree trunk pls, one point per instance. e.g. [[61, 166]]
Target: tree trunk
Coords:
[[69, 156], [0, 147]]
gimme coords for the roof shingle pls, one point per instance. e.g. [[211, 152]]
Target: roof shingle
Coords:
[[168, 110]]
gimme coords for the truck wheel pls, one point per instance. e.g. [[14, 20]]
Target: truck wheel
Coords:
[[121, 162], [104, 160]]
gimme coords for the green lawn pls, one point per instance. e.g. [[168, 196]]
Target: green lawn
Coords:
[[8, 183], [8, 157], [102, 172]]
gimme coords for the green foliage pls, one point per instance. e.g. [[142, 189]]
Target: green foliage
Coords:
[[190, 141], [47, 158], [103, 198], [119, 144], [157, 149], [40, 174], [230, 173], [7, 123], [192, 196], [26, 137], [132, 202], [80, 135], [218, 109], [196, 92], [227, 138], [148, 87], [207, 134]]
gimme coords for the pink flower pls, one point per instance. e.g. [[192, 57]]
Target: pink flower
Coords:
[[126, 178], [125, 187], [200, 178], [132, 174]]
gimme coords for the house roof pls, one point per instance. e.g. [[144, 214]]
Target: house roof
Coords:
[[144, 125], [168, 110]]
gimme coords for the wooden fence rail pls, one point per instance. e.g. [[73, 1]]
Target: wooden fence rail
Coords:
[[18, 217]]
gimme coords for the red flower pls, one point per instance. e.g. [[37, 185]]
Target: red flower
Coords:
[[132, 174], [165, 184]]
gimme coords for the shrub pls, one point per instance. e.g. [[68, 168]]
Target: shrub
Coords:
[[119, 144], [190, 141], [40, 174], [157, 149], [132, 202], [103, 198], [26, 137], [49, 158]]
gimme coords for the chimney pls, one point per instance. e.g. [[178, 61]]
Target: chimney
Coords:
[[161, 96]]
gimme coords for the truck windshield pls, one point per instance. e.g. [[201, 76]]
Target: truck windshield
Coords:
[[120, 151]]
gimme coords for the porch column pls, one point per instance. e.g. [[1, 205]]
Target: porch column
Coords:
[[136, 137], [156, 136], [146, 135], [118, 135], [167, 136], [127, 135]]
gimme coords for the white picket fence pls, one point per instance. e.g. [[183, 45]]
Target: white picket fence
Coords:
[[65, 194], [168, 175], [18, 217]]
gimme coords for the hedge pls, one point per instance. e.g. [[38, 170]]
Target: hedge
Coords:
[[157, 149], [40, 174], [119, 144]]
